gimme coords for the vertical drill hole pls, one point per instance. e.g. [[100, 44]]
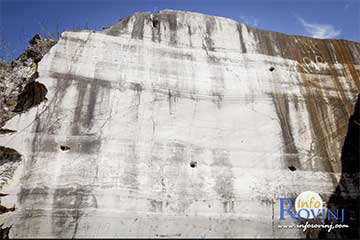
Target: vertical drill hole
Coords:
[[64, 148], [292, 168], [193, 164]]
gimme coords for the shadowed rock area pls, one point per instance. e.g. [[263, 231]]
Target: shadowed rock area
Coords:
[[9, 158], [344, 197], [33, 94], [4, 232], [18, 89]]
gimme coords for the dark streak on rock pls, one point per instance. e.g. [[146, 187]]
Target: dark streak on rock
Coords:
[[84, 119], [316, 106], [75, 78], [282, 110], [217, 98], [76, 123], [190, 33], [172, 98], [155, 30], [210, 25], [176, 152], [171, 18], [68, 205], [33, 195], [130, 175], [94, 91], [138, 27], [241, 38], [223, 178], [217, 87], [90, 146]]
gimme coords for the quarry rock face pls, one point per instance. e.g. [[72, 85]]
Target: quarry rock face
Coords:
[[179, 124]]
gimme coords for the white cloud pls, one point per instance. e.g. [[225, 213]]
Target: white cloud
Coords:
[[251, 21], [319, 30], [346, 7]]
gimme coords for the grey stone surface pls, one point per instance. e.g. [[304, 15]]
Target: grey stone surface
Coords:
[[130, 109]]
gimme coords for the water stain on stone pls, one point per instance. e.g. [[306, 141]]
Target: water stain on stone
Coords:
[[155, 30], [76, 123], [190, 34], [241, 38], [221, 157], [31, 196], [138, 27], [171, 19], [210, 25], [217, 98], [69, 204], [90, 146], [300, 47], [172, 97], [222, 172], [85, 107], [217, 87], [176, 152], [319, 116], [156, 205], [291, 153], [130, 175]]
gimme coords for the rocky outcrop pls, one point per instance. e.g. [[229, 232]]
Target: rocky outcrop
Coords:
[[179, 124], [8, 158], [19, 77], [4, 232]]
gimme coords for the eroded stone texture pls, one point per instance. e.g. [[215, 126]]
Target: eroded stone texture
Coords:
[[263, 115], [9, 159], [4, 232], [18, 79]]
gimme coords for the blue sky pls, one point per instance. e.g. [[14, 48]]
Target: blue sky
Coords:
[[19, 20]]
